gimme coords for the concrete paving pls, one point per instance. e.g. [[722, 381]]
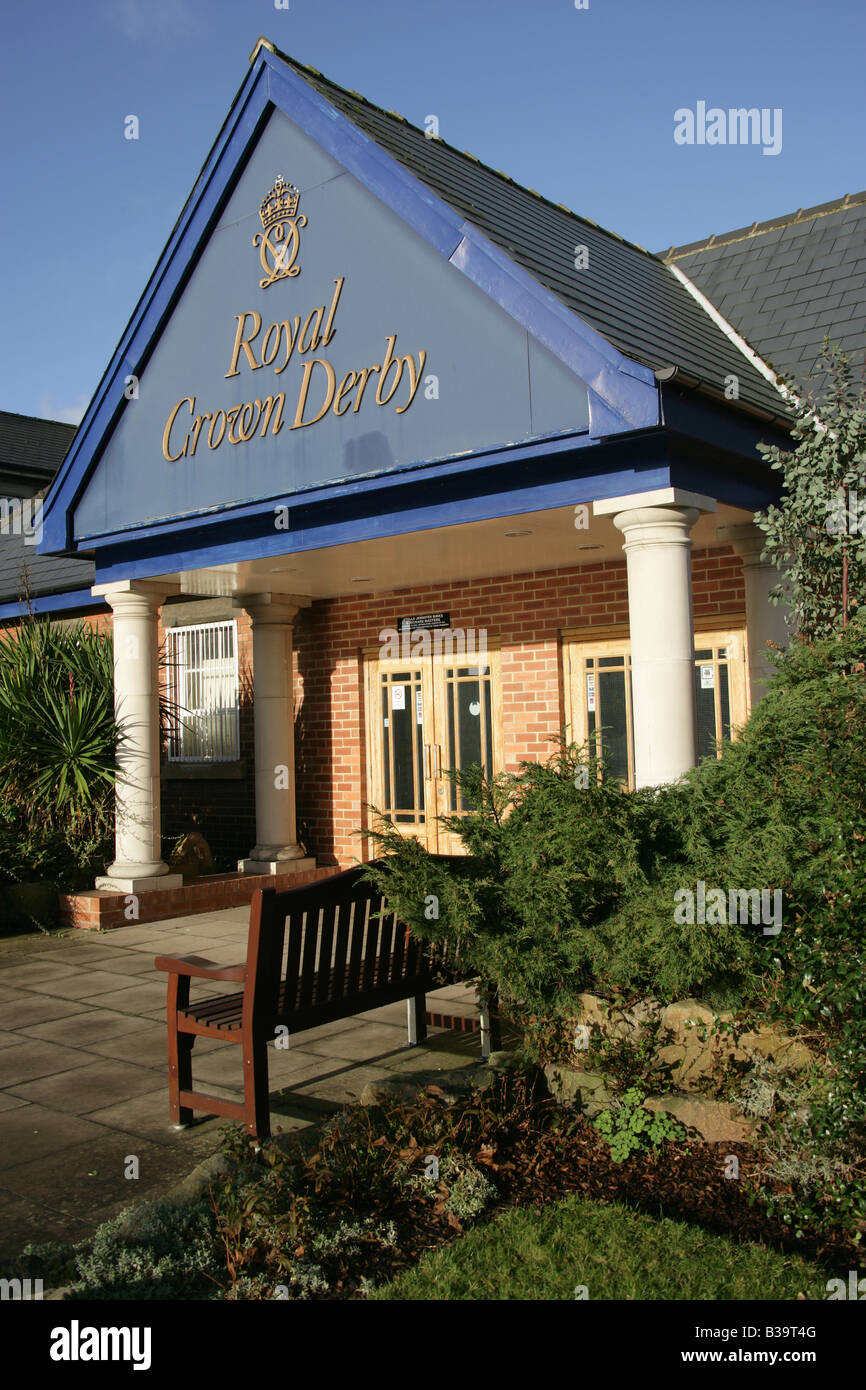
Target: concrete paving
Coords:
[[84, 1076]]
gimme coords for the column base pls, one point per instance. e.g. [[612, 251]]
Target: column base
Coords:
[[139, 885], [275, 866]]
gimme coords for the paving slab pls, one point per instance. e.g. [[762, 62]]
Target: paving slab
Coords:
[[32, 1132], [87, 1088], [95, 1176], [26, 1008], [39, 1058], [75, 983], [85, 1029]]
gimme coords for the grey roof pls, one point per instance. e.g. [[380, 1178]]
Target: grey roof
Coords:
[[45, 573], [31, 448], [625, 293], [31, 451], [783, 284]]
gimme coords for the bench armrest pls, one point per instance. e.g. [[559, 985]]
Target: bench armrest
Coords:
[[199, 966]]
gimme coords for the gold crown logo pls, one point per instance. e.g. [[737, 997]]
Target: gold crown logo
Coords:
[[280, 203]]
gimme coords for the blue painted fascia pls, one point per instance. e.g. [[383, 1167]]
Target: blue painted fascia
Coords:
[[367, 485], [42, 604], [623, 394], [426, 509]]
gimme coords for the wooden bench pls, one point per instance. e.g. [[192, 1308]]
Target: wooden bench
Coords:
[[314, 954]]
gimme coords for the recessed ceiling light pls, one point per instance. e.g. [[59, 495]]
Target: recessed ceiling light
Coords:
[[362, 579], [589, 547], [517, 533]]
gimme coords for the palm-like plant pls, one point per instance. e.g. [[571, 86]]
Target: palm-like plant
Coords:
[[58, 743]]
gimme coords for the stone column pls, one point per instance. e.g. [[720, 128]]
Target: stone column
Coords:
[[657, 527], [276, 849], [138, 863], [765, 621]]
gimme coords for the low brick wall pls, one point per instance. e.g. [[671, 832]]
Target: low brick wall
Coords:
[[101, 909]]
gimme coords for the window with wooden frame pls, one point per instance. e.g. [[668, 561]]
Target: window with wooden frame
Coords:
[[598, 691]]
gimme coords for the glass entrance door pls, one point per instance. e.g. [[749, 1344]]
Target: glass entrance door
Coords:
[[424, 716]]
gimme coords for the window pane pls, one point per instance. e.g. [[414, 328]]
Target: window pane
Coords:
[[725, 701], [706, 706], [612, 717]]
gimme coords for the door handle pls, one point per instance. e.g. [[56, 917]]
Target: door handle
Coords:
[[437, 771]]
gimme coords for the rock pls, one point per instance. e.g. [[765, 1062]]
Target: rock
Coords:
[[191, 856], [594, 1012], [573, 1086], [785, 1052], [684, 1019], [715, 1120]]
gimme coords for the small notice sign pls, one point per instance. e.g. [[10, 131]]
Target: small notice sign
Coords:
[[398, 697], [419, 707], [590, 692], [708, 677], [424, 620]]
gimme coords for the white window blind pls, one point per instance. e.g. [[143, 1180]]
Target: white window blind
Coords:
[[203, 688]]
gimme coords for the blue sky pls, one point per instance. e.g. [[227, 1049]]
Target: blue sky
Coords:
[[578, 104]]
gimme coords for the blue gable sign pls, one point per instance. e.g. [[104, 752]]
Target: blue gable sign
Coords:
[[319, 317]]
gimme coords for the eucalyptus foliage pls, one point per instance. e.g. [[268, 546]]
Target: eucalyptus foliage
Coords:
[[816, 536]]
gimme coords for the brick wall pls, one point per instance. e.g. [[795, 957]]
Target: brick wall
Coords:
[[524, 613]]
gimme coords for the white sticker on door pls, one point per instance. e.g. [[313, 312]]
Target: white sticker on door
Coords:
[[590, 693], [419, 707], [398, 697], [708, 677]]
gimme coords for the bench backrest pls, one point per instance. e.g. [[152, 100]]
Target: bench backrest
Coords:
[[340, 943]]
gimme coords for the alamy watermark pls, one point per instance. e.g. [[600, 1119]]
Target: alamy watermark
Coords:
[[715, 907], [21, 516], [737, 126], [403, 645]]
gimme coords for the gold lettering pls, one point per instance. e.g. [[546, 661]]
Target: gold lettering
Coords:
[[290, 343], [242, 342], [247, 423], [231, 417], [345, 385], [268, 357], [390, 361], [267, 410], [313, 344], [210, 438], [329, 331], [299, 420], [173, 458], [414, 379], [363, 376], [196, 429]]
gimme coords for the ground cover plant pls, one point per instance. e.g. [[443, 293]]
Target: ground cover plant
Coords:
[[341, 1212]]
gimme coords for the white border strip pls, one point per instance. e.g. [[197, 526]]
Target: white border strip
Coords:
[[757, 362]]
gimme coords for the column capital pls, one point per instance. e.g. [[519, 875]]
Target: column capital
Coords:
[[271, 608], [646, 526], [659, 497], [746, 540], [135, 595]]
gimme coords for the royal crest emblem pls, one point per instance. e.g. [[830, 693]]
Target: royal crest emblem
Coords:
[[280, 239]]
